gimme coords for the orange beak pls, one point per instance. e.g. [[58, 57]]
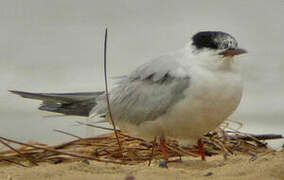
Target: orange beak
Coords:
[[233, 52]]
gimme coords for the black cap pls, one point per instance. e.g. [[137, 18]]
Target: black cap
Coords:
[[214, 40]]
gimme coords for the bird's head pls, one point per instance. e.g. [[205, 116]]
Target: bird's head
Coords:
[[217, 43]]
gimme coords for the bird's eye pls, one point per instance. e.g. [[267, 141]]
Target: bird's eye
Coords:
[[225, 45], [228, 44]]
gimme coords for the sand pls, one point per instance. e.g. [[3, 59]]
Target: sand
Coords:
[[265, 167]]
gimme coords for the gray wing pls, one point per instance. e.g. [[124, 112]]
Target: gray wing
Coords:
[[79, 104], [148, 92]]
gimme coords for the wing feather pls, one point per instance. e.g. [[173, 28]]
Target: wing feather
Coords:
[[147, 93]]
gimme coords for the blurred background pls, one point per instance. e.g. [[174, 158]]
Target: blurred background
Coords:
[[57, 46]]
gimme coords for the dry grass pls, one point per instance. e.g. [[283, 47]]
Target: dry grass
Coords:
[[104, 148]]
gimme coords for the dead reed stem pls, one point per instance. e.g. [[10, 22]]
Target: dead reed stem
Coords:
[[107, 94]]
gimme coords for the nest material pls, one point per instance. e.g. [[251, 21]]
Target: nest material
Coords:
[[104, 148]]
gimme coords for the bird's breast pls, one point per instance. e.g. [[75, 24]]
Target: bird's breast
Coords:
[[209, 100]]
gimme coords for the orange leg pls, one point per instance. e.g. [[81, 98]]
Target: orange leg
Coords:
[[201, 149], [164, 148]]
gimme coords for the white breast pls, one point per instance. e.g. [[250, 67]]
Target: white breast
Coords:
[[210, 99]]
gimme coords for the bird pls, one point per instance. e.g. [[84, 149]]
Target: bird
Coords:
[[180, 95]]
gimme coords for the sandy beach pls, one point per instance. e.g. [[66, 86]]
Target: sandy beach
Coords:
[[239, 166], [57, 47]]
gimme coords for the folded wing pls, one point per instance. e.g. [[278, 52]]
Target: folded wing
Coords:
[[147, 93]]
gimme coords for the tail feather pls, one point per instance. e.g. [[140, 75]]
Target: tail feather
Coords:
[[79, 104]]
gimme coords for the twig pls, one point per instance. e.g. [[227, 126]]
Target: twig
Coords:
[[13, 162], [132, 138], [181, 151], [95, 126], [15, 150], [66, 133], [60, 152], [107, 94], [261, 137]]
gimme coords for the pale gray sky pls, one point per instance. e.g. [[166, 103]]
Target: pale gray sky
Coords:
[[57, 46]]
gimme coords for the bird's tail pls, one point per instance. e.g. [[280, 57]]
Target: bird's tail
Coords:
[[79, 103]]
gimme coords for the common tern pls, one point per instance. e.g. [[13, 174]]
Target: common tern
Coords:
[[180, 95]]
